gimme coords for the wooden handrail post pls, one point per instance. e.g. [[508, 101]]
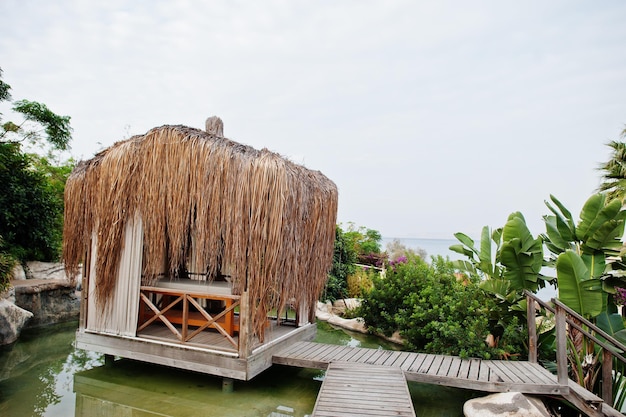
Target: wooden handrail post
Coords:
[[561, 345], [532, 329], [607, 377]]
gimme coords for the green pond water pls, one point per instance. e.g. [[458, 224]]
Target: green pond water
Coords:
[[42, 374]]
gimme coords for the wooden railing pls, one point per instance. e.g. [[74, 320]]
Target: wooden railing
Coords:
[[225, 322], [564, 317]]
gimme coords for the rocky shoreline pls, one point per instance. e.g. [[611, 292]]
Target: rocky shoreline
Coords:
[[40, 294]]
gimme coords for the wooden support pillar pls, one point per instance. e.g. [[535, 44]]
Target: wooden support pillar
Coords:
[[532, 329], [561, 346], [109, 360], [607, 377], [228, 385], [245, 326]]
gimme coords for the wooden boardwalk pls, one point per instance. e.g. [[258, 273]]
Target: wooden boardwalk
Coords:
[[451, 371], [355, 389]]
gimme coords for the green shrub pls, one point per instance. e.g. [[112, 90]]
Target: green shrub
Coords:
[[436, 313], [7, 262], [361, 282]]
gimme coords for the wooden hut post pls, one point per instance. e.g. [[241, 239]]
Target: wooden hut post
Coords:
[[532, 329], [245, 328], [84, 290]]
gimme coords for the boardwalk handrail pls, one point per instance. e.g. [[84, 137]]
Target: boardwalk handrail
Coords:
[[611, 347]]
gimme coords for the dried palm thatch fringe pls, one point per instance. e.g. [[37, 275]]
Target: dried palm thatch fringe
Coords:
[[209, 202]]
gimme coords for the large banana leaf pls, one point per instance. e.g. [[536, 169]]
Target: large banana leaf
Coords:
[[608, 235], [501, 288], [595, 214], [554, 235], [521, 254], [613, 324], [485, 251], [595, 263], [577, 289], [563, 220]]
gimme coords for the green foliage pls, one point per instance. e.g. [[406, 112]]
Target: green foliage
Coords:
[[31, 207], [39, 123], [7, 262], [509, 260], [364, 241], [344, 258], [361, 282], [437, 313], [614, 177], [577, 289], [31, 186], [587, 254], [57, 128]]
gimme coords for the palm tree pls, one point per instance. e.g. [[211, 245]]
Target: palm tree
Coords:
[[614, 177]]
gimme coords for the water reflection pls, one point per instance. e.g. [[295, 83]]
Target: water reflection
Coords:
[[36, 372], [44, 375], [130, 388]]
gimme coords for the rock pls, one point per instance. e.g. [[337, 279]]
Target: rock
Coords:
[[50, 301], [18, 272], [12, 320], [8, 294], [340, 306], [509, 404], [322, 311], [356, 325], [45, 270]]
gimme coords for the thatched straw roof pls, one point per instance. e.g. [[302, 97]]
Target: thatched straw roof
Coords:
[[268, 221]]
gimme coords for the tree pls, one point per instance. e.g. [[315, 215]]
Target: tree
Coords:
[[38, 125], [31, 187], [614, 177], [344, 258]]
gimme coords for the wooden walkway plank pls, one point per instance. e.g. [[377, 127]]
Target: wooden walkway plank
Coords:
[[499, 369], [413, 362], [477, 374], [433, 369], [453, 367], [425, 366], [464, 369], [356, 390], [332, 354]]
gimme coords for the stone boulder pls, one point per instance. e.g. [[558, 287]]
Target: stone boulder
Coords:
[[509, 404], [45, 270], [12, 320], [356, 325], [18, 272], [50, 300], [345, 304]]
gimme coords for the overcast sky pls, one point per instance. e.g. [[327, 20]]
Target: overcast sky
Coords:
[[431, 117]]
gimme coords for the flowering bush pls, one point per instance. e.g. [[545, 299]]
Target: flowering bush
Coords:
[[620, 296]]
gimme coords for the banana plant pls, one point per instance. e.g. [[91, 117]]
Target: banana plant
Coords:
[[586, 255], [514, 265]]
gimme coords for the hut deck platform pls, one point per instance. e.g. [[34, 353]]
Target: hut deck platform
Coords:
[[207, 352], [451, 371], [356, 389]]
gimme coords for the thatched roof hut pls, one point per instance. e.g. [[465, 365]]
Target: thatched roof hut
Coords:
[[210, 206]]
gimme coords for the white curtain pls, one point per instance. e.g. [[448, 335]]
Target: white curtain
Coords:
[[119, 315]]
